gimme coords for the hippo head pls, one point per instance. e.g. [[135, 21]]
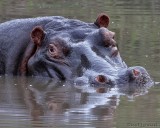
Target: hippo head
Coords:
[[85, 53], [51, 56]]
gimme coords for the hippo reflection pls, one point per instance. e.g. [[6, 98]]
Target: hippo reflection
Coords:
[[65, 49], [45, 98]]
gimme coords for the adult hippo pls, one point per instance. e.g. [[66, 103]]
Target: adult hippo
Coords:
[[65, 49]]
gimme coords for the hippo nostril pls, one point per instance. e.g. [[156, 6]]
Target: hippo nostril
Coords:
[[101, 79], [135, 72]]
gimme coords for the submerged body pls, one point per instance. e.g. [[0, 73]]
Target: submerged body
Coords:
[[65, 49]]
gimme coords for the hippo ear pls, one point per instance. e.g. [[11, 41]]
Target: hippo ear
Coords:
[[37, 35], [102, 20]]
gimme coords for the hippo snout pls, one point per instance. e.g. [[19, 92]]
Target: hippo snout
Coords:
[[134, 76], [139, 76]]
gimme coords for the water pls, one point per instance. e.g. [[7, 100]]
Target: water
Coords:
[[28, 102]]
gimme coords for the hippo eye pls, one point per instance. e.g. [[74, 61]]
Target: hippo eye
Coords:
[[53, 51]]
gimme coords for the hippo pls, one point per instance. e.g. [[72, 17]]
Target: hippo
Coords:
[[66, 49]]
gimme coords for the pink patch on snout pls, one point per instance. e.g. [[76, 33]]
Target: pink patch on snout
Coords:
[[136, 72]]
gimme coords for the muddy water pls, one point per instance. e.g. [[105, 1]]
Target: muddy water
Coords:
[[30, 102]]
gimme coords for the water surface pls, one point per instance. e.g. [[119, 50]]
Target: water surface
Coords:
[[30, 102]]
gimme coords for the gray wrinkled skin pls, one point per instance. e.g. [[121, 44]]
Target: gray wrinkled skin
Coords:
[[82, 55]]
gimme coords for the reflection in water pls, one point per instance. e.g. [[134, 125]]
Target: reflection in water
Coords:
[[46, 102]]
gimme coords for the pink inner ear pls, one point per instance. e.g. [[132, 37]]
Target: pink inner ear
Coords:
[[37, 35], [102, 20], [136, 72]]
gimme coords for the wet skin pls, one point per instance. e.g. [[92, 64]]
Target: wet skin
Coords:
[[65, 49]]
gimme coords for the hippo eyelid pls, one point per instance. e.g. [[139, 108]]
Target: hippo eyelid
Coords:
[[51, 48], [53, 51]]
